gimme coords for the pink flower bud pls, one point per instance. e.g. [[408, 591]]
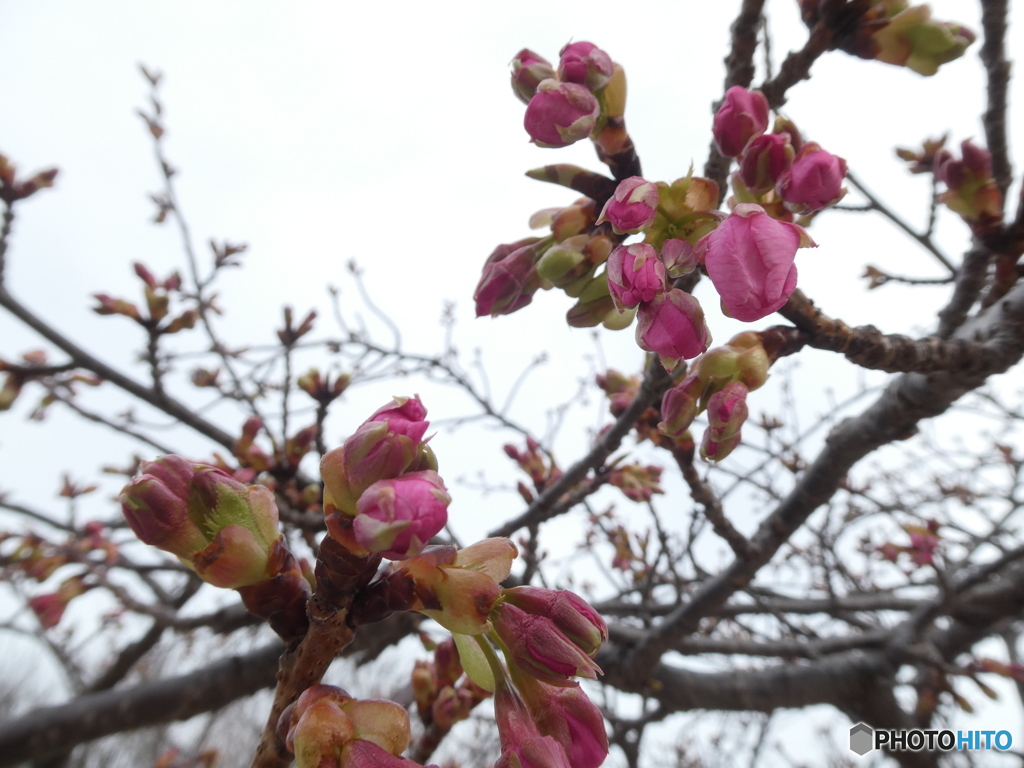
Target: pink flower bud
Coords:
[[569, 612], [635, 274], [749, 258], [509, 278], [155, 504], [560, 114], [727, 410], [49, 608], [397, 517], [971, 190], [633, 206], [814, 180], [764, 160], [679, 406], [672, 325], [742, 116], [366, 754], [570, 717], [528, 71], [404, 416], [521, 741], [539, 648], [586, 64]]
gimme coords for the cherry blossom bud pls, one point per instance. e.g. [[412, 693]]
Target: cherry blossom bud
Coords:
[[565, 262], [586, 64], [528, 71], [971, 190], [914, 40], [672, 325], [49, 608], [749, 258], [365, 754], [221, 528], [521, 741], [679, 406], [446, 662], [764, 160], [727, 410], [814, 180], [539, 648], [742, 116], [569, 612], [566, 714], [560, 114], [633, 206], [397, 517], [637, 482], [635, 274], [678, 257], [510, 278]]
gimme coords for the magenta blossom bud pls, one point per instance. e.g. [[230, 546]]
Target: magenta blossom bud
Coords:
[[570, 717], [586, 64], [742, 116], [749, 258], [228, 529], [560, 114], [569, 612], [404, 416], [672, 325], [509, 279], [727, 410], [539, 648], [635, 274], [764, 160], [528, 71], [814, 180], [397, 517], [632, 207], [521, 741], [971, 190]]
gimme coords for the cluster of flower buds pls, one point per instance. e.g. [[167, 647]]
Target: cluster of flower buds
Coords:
[[225, 531], [892, 31], [534, 462], [718, 382], [328, 728], [382, 491], [444, 696], [778, 170], [12, 188], [573, 102], [971, 190], [157, 294], [637, 482], [548, 637], [924, 542]]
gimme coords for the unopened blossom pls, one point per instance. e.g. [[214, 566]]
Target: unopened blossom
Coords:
[[568, 715], [742, 116], [635, 274], [586, 64], [727, 411], [672, 325], [509, 277], [633, 206], [749, 258], [814, 180], [560, 114], [224, 530], [971, 190], [398, 517], [764, 160], [539, 648], [570, 614], [529, 69]]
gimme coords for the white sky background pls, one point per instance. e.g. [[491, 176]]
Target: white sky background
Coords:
[[388, 133]]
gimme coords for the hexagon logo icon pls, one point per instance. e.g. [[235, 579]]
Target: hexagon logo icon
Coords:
[[861, 738]]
